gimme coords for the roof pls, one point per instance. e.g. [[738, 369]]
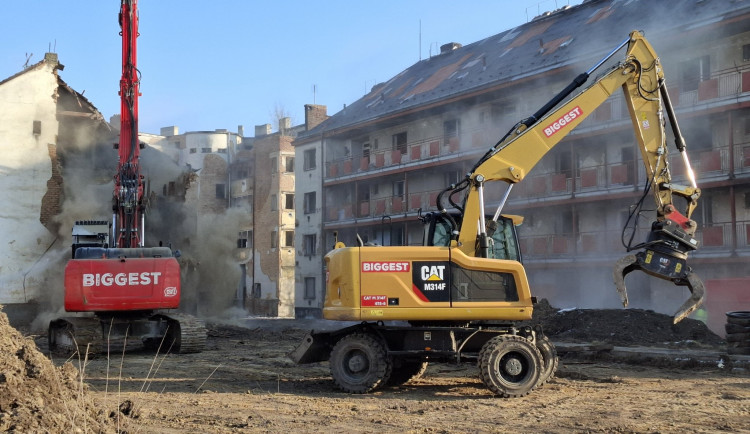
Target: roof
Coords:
[[550, 42]]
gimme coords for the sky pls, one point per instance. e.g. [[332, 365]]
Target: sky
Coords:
[[223, 63]]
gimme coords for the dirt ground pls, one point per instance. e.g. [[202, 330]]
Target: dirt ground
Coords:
[[244, 382]]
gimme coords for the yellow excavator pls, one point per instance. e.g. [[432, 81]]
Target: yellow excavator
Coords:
[[463, 292]]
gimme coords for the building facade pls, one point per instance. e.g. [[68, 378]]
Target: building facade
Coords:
[[386, 156]]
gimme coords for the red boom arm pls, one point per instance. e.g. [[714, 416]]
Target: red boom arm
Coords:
[[128, 192]]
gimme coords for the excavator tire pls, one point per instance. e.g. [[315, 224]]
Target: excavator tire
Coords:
[[510, 365], [405, 371], [359, 363], [549, 359]]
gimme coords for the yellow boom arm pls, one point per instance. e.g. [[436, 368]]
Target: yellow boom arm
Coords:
[[641, 78]]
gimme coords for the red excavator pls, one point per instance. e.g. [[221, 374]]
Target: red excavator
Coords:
[[127, 286]]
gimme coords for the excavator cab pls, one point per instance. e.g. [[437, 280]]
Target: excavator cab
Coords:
[[502, 233]]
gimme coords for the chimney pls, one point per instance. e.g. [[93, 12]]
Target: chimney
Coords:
[[450, 46], [314, 115], [52, 59], [262, 130], [285, 124], [240, 131]]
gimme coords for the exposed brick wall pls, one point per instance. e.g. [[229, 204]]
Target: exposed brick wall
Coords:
[[214, 172], [52, 199]]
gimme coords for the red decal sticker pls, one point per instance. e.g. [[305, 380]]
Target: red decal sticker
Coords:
[[374, 300]]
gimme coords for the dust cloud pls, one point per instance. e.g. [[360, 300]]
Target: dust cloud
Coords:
[[210, 275]]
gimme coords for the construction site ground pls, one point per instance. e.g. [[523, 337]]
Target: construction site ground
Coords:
[[244, 382]]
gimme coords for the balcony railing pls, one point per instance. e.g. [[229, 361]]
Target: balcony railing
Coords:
[[383, 206], [716, 237]]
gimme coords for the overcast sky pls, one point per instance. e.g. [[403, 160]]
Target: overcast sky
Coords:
[[219, 64]]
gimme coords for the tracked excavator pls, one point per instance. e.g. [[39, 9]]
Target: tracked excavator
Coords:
[[465, 290], [126, 291]]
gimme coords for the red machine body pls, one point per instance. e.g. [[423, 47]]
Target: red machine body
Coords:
[[93, 285]]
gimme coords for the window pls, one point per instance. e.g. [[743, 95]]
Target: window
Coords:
[[274, 165], [309, 159], [746, 52], [310, 203], [290, 164], [274, 239], [309, 244], [289, 201], [36, 128], [221, 191], [274, 203], [397, 236], [288, 238], [222, 150], [450, 129], [206, 150], [398, 189], [452, 177], [193, 150], [245, 240], [399, 142], [310, 288], [693, 71]]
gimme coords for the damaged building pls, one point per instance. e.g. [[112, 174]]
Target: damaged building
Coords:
[[381, 160], [44, 122]]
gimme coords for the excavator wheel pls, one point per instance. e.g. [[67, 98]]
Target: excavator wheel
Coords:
[[510, 365], [549, 358], [405, 371], [359, 363]]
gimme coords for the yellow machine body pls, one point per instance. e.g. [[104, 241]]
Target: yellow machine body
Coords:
[[423, 283]]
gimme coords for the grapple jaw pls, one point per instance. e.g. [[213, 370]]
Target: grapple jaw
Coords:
[[665, 258]]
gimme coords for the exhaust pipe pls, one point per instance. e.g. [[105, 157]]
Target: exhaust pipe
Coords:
[[664, 256]]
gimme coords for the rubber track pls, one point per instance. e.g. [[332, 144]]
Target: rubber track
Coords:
[[192, 332]]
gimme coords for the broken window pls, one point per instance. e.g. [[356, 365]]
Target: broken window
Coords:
[[450, 129], [193, 150], [398, 189], [274, 165], [274, 239], [289, 201], [289, 164], [746, 53], [310, 202], [399, 142], [274, 203], [220, 191], [309, 159], [310, 288], [288, 239], [245, 240], [309, 244], [37, 128], [206, 150], [694, 71]]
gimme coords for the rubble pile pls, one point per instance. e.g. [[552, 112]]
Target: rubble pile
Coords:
[[36, 396], [621, 327]]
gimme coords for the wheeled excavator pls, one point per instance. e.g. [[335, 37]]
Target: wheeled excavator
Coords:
[[465, 290], [130, 289]]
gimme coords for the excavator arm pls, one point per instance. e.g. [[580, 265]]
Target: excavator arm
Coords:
[[641, 78]]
